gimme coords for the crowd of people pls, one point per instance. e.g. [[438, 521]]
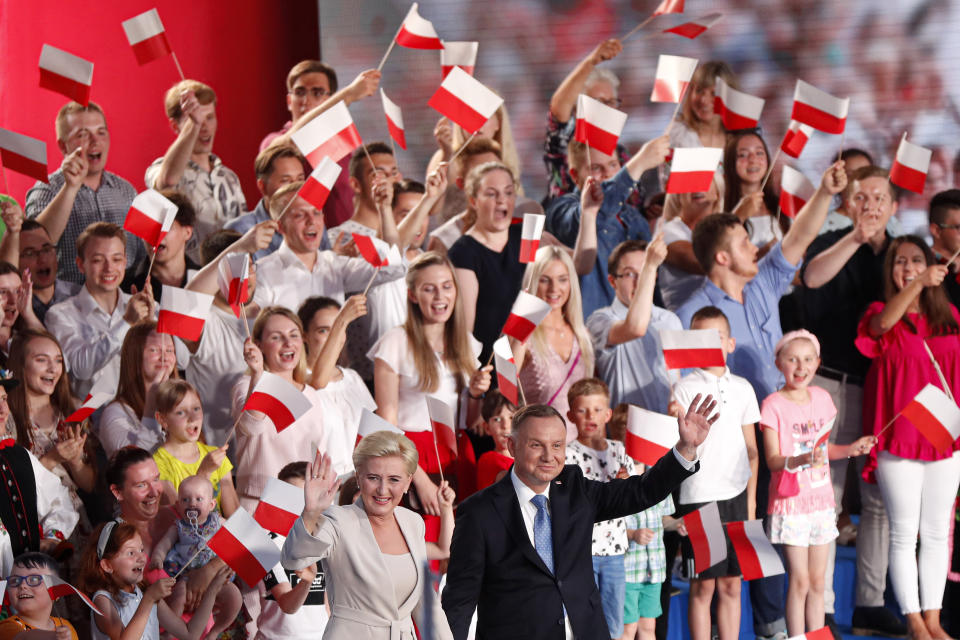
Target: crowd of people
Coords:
[[830, 321]]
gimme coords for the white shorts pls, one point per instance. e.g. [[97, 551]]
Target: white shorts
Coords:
[[803, 529]]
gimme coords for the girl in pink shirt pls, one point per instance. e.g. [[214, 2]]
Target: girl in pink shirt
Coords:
[[796, 422]]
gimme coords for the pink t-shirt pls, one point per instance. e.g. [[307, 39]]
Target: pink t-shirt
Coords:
[[797, 426]]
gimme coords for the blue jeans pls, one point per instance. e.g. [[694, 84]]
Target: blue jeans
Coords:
[[611, 580]]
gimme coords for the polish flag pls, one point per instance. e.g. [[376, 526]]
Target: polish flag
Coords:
[[649, 435], [24, 154], [280, 505], [910, 168], [527, 313], [283, 403], [823, 436], [669, 6], [150, 217], [245, 547], [318, 185], [706, 535], [819, 109], [443, 422], [755, 554], [183, 312], [796, 138], [394, 120], [465, 100], [934, 415], [738, 110], [417, 33], [530, 236], [57, 587], [795, 191], [698, 348], [66, 73], [598, 125], [823, 633], [331, 134], [458, 54], [375, 251], [673, 76], [692, 169], [506, 370], [234, 279], [91, 403], [147, 37], [371, 423], [696, 27]]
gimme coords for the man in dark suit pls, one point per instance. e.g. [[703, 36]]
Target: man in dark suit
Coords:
[[521, 548]]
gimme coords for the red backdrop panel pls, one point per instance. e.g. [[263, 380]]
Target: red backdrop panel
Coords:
[[243, 49]]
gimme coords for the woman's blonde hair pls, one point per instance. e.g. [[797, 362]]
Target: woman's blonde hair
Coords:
[[705, 76], [572, 309], [300, 371], [381, 444], [471, 187], [458, 353], [503, 137]]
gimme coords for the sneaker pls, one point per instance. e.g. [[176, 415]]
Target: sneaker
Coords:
[[877, 621], [832, 624]]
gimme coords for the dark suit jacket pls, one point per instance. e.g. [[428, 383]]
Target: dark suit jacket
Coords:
[[495, 568]]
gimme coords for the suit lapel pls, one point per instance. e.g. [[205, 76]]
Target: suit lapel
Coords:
[[508, 508]]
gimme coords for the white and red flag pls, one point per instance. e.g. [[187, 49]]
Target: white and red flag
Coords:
[[692, 169], [669, 6], [823, 436], [705, 532], [57, 587], [280, 505], [283, 403], [459, 54], [150, 217], [24, 154], [819, 109], [673, 76], [693, 348], [332, 134], [66, 73], [823, 633], [318, 185], [755, 554], [183, 312], [146, 35], [234, 279], [465, 101], [695, 27], [934, 415], [394, 120], [417, 32], [375, 251], [506, 370], [650, 436], [93, 401], [796, 138], [245, 547], [527, 313], [795, 191], [598, 125], [911, 165], [371, 423], [737, 109], [530, 236], [443, 421]]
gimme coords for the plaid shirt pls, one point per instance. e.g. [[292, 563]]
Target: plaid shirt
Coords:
[[109, 203], [648, 563]]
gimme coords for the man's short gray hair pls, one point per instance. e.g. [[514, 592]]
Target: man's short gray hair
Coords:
[[605, 75]]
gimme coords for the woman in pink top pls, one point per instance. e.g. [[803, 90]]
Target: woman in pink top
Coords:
[[918, 482], [559, 351]]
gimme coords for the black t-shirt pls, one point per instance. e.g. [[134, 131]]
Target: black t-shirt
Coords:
[[499, 276], [139, 278], [833, 311]]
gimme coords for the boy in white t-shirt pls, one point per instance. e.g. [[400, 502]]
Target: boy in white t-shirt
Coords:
[[727, 476], [601, 459]]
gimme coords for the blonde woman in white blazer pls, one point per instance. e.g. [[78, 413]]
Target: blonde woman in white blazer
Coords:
[[373, 551]]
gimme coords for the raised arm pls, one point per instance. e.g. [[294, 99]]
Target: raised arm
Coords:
[[827, 264], [362, 86], [256, 238], [55, 215], [638, 313], [564, 99], [12, 216], [811, 217], [651, 154], [585, 249], [436, 186], [325, 363], [177, 157], [893, 311]]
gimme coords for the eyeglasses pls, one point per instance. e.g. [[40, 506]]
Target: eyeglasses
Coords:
[[612, 102], [315, 92], [33, 580], [631, 275], [33, 254], [948, 226]]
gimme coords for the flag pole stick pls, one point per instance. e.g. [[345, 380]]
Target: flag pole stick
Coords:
[[246, 323], [889, 424], [842, 138], [523, 398], [637, 28], [776, 157], [153, 257], [173, 54], [370, 283], [285, 207], [3, 171], [936, 366], [200, 548], [461, 148], [383, 61], [437, 450], [953, 257]]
